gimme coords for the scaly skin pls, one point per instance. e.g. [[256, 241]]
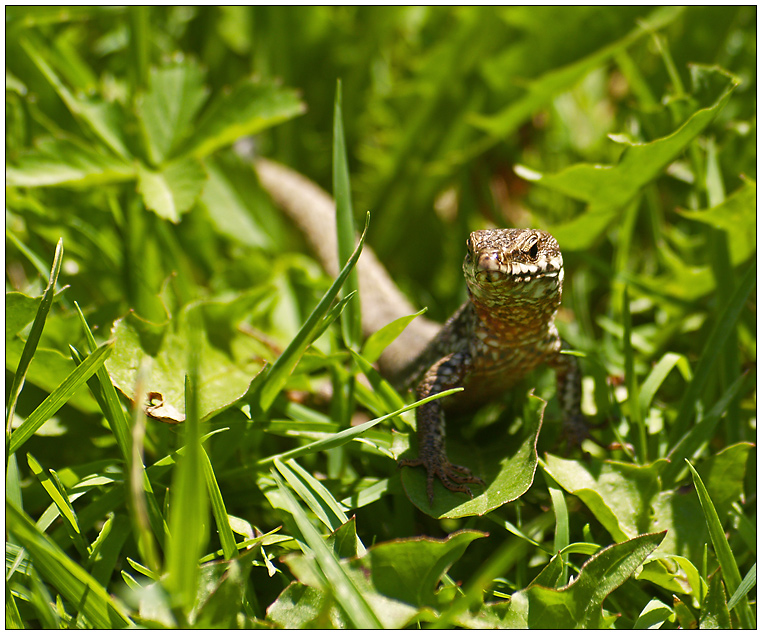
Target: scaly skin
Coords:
[[504, 331]]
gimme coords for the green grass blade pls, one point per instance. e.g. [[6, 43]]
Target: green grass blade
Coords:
[[658, 374], [313, 493], [285, 364], [67, 577], [346, 593], [730, 572], [34, 338], [702, 431], [143, 570], [747, 584], [725, 324], [351, 325], [111, 406], [36, 261], [105, 394], [106, 549], [13, 482], [219, 511], [382, 389], [377, 342], [13, 620], [139, 488], [345, 436], [188, 511], [61, 501], [561, 511], [55, 400], [633, 399]]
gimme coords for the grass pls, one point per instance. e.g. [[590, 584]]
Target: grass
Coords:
[[145, 264]]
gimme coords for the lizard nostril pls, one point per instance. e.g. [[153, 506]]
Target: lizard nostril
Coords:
[[487, 262]]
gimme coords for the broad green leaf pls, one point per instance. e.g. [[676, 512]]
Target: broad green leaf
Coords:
[[730, 573], [225, 375], [66, 576], [674, 573], [540, 91], [409, 570], [173, 189], [397, 578], [345, 542], [34, 337], [678, 512], [578, 605], [220, 595], [653, 615], [507, 467], [723, 474], [300, 606], [607, 189], [737, 215], [552, 573], [618, 494], [250, 108], [104, 119], [66, 162], [230, 215], [175, 94], [56, 399]]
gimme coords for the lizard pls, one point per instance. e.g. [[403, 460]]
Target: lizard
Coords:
[[504, 330]]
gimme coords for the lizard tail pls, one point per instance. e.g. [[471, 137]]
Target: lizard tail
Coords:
[[314, 213]]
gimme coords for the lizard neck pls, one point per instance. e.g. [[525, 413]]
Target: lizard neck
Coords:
[[516, 323]]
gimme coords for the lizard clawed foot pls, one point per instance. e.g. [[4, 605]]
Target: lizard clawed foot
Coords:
[[453, 477]]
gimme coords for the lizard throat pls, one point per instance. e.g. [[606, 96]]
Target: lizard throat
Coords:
[[514, 309]]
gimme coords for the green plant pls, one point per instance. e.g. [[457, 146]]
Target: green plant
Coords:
[[178, 291]]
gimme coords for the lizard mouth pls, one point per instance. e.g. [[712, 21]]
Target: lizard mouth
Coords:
[[490, 269]]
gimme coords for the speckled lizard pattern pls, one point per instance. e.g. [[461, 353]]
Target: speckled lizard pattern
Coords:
[[505, 330]]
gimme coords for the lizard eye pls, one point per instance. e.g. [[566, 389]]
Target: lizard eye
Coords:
[[533, 251]]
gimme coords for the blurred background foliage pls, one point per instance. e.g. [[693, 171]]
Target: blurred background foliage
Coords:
[[119, 122]]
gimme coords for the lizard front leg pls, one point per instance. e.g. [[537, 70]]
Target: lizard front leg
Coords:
[[446, 373], [569, 390]]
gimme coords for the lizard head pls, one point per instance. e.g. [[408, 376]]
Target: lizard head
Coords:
[[513, 266]]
